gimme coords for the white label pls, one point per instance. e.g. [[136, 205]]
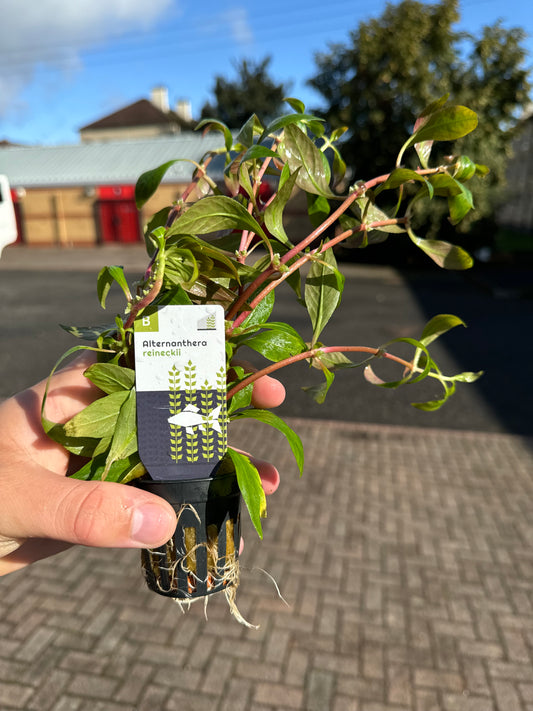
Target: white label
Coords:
[[181, 389]]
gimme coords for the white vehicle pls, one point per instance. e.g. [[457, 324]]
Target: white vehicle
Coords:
[[8, 222]]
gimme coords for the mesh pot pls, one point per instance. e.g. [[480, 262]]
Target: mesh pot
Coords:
[[202, 556]]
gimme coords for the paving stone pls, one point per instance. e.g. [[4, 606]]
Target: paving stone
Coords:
[[405, 558]]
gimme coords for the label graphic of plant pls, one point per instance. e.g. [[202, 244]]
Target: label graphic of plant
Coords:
[[209, 323], [174, 406], [206, 399], [222, 441], [198, 416], [190, 397]]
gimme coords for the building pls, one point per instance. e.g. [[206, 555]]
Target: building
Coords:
[[142, 119], [84, 194]]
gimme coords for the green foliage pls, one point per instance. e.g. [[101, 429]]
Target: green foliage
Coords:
[[252, 92], [396, 64], [189, 262]]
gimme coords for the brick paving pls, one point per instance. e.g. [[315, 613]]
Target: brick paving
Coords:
[[406, 560]]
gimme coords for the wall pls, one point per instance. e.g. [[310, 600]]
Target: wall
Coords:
[[58, 216], [69, 216]]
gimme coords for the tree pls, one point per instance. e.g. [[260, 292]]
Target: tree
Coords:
[[253, 91], [407, 58]]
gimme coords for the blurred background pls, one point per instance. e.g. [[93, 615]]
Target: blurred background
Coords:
[[405, 551]]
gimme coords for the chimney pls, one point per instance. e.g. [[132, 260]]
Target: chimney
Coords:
[[183, 109], [159, 98]]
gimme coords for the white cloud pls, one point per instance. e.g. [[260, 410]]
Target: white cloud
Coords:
[[233, 22], [239, 25], [54, 32]]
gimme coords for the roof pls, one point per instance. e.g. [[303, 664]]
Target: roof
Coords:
[[113, 162], [140, 113]]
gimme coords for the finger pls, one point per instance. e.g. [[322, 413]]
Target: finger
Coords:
[[91, 513], [269, 475], [267, 392], [70, 391]]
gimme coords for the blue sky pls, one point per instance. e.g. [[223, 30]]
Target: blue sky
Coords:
[[64, 64]]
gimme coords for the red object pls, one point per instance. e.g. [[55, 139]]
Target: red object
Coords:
[[119, 221], [18, 217], [117, 213], [116, 192]]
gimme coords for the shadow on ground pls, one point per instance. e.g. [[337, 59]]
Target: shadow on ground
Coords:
[[497, 305]]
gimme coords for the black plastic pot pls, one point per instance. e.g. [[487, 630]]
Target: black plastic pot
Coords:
[[202, 556]]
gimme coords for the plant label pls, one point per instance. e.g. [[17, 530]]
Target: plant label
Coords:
[[180, 369]]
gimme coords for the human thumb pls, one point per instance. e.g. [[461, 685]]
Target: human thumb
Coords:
[[42, 504]]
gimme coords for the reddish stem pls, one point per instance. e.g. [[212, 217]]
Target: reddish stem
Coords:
[[376, 352]]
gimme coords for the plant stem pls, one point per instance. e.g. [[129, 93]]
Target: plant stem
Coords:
[[234, 310], [376, 352], [307, 257]]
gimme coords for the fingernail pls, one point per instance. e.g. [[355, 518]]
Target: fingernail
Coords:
[[151, 525]]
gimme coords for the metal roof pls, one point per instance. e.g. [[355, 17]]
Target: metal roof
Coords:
[[105, 163]]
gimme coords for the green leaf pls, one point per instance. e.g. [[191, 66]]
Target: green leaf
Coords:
[[423, 149], [83, 446], [269, 418], [368, 212], [80, 446], [148, 183], [99, 418], [211, 124], [445, 185], [176, 295], [89, 333], [123, 470], [258, 151], [438, 325], [468, 376], [300, 152], [202, 249], [260, 314], [295, 104], [248, 131], [430, 109], [159, 219], [279, 342], [110, 377], [445, 124], [214, 213], [333, 360], [339, 166], [124, 442], [287, 121], [318, 209], [323, 290], [319, 392], [404, 175], [106, 277], [251, 488], [459, 206], [241, 399], [446, 255], [274, 212], [181, 268]]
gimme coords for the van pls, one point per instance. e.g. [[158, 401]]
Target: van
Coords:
[[8, 222]]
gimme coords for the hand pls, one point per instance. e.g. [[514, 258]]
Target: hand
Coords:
[[42, 511]]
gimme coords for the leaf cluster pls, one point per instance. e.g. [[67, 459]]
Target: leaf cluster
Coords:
[[231, 246]]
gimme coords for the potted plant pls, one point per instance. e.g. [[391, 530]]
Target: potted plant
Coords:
[[168, 366]]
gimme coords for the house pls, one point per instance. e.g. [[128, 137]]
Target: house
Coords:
[[142, 119], [515, 217], [84, 194]]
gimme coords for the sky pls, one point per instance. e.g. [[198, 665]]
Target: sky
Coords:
[[65, 63]]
